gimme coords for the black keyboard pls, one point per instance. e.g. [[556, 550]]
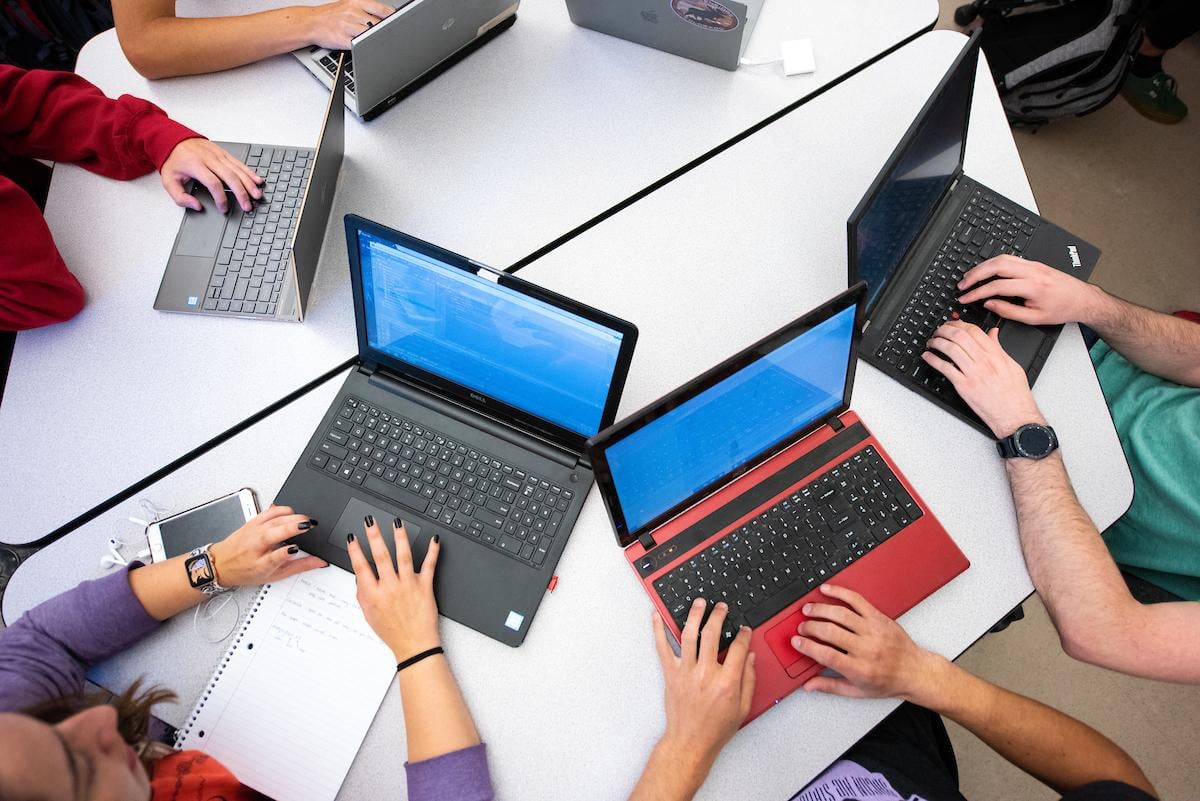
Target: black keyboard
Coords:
[[253, 260], [794, 546], [446, 481], [987, 226], [330, 64]]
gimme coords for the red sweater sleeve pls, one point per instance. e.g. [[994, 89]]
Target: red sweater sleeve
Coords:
[[36, 288], [59, 116]]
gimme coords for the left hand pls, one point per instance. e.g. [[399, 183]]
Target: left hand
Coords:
[[984, 376], [875, 656], [213, 166], [251, 555]]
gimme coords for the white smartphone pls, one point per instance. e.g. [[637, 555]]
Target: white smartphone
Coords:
[[209, 522]]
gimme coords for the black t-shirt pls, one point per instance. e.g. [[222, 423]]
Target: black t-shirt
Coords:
[[908, 757]]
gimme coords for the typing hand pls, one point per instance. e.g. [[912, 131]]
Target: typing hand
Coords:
[[984, 376], [874, 655], [251, 555], [397, 601], [1051, 296], [333, 25], [212, 166], [706, 700]]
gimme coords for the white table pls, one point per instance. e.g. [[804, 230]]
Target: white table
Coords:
[[596, 707], [536, 133]]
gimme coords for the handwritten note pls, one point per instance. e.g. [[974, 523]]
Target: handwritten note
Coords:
[[291, 701]]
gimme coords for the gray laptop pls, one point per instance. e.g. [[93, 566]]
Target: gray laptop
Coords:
[[417, 42], [261, 263], [715, 32]]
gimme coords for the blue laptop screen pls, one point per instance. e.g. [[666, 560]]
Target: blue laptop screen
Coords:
[[709, 436], [495, 340]]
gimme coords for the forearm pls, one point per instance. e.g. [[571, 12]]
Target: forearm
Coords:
[[166, 46], [1068, 561], [1055, 749], [436, 718], [1165, 346], [671, 774], [163, 588]]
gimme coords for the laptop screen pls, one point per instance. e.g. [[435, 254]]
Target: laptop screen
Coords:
[[478, 330], [917, 175], [669, 461]]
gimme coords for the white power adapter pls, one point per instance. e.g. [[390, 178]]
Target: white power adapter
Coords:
[[797, 57]]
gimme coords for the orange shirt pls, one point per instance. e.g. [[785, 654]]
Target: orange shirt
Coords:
[[195, 776]]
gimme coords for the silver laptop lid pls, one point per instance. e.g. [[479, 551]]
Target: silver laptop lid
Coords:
[[710, 31], [318, 196], [414, 39]]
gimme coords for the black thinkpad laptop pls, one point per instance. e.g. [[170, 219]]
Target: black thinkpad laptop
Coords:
[[467, 416], [923, 224]]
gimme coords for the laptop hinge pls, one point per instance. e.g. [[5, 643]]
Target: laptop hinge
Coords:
[[836, 423], [368, 368], [647, 541]]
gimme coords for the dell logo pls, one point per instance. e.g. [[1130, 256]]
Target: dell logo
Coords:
[[446, 25], [478, 397], [650, 16], [1073, 252]]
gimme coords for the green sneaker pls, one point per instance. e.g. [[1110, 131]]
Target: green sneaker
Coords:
[[1154, 97]]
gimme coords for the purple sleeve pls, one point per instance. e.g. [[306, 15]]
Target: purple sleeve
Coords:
[[45, 653], [457, 776]]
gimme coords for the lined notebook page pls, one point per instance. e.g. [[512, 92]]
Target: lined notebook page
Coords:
[[291, 701]]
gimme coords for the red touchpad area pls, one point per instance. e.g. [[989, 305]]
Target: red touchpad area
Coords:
[[779, 639]]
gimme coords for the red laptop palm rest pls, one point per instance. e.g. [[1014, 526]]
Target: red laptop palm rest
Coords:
[[755, 483]]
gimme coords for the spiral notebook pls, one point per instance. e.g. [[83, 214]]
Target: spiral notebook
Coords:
[[291, 700]]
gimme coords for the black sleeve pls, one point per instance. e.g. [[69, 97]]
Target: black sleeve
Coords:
[[1107, 791]]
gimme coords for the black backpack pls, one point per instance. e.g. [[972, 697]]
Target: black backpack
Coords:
[[47, 34], [1056, 58]]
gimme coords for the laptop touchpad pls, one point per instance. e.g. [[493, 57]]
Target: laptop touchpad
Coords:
[[201, 232], [1022, 342], [351, 522]]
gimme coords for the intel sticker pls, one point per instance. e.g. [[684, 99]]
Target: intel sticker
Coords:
[[193, 300], [514, 621]]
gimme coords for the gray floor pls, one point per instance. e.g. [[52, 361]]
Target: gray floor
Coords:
[[1130, 186]]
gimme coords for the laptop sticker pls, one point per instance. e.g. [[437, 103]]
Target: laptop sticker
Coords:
[[707, 14], [514, 621], [193, 300]]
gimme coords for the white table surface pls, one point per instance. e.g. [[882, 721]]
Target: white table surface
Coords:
[[587, 695], [531, 136]]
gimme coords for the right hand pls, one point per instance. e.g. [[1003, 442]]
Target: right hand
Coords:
[[1051, 296], [333, 25], [874, 655], [706, 701], [398, 603]]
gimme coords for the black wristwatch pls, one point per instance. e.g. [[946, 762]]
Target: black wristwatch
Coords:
[[1031, 441]]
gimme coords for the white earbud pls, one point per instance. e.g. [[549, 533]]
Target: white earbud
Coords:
[[114, 558]]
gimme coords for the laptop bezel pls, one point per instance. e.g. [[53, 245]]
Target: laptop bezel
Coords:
[[969, 50], [475, 399], [598, 445]]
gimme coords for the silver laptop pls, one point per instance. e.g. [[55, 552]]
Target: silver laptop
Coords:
[[714, 32], [414, 44], [261, 263]]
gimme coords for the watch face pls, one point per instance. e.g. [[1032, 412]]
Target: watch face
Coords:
[[1033, 441], [199, 570]]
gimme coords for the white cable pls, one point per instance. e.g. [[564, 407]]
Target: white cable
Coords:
[[747, 63], [213, 607]]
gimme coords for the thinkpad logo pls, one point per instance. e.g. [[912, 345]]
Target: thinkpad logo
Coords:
[[1073, 252]]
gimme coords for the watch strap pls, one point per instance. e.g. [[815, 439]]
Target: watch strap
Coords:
[[202, 571]]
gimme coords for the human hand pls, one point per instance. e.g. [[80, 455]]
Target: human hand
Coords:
[[705, 700], [333, 25], [875, 656], [1051, 296], [398, 603], [213, 166], [984, 376], [251, 555]]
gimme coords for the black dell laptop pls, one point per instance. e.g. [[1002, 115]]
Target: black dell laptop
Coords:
[[467, 416], [923, 224]]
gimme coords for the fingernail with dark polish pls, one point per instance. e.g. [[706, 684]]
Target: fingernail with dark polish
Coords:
[[293, 549], [369, 520], [437, 538], [349, 538], [312, 521], [304, 525], [397, 522]]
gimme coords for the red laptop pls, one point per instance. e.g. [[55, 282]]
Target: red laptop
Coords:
[[755, 483]]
